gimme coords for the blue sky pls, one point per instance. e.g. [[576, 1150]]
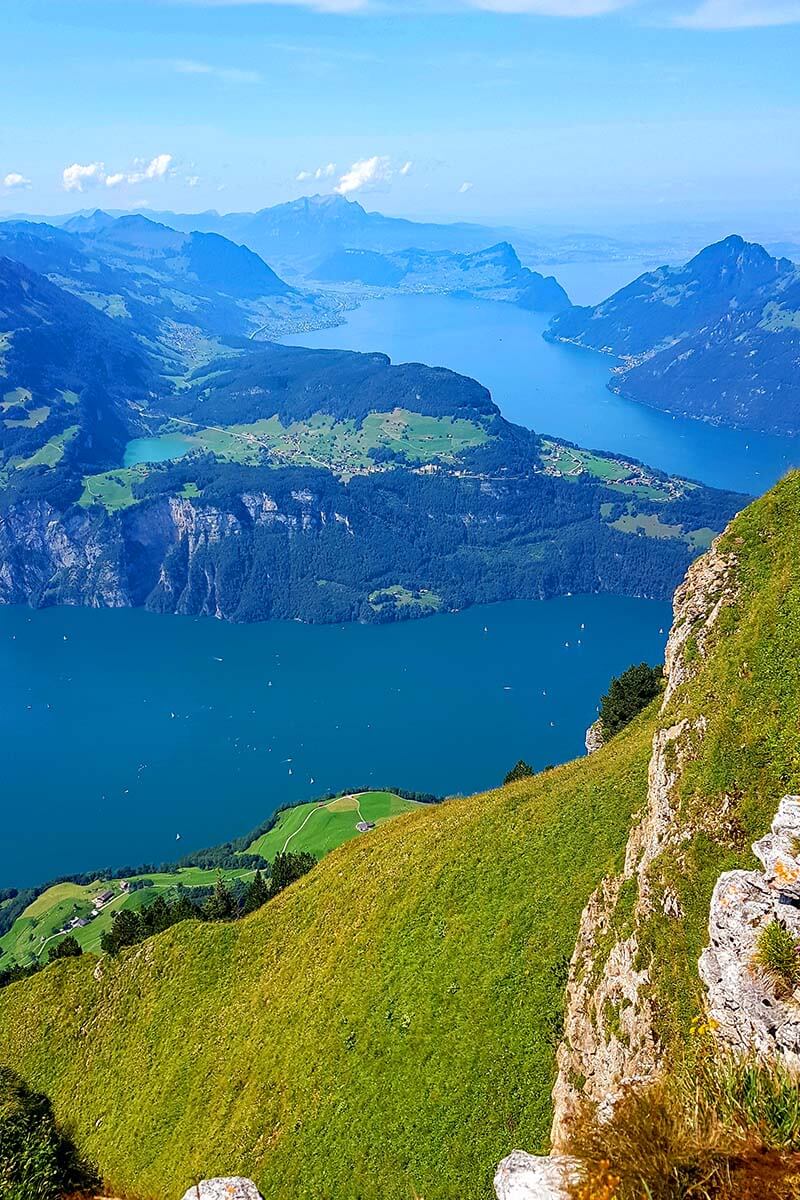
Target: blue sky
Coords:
[[591, 113]]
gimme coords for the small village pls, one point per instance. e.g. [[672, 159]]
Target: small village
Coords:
[[99, 902]]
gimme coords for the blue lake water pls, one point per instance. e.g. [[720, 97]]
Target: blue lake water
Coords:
[[127, 728], [155, 449], [555, 389], [124, 729]]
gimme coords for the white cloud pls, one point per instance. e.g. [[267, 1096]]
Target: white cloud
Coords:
[[406, 168], [14, 180], [550, 8], [156, 168], [697, 14], [192, 181], [189, 66], [740, 14], [79, 176], [465, 187], [366, 173], [325, 172]]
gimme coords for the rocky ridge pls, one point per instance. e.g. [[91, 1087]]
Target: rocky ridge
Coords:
[[609, 1031], [610, 1037], [595, 738], [224, 1188]]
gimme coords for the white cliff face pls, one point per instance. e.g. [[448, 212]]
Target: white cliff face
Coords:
[[169, 555], [523, 1176], [709, 586], [45, 558], [232, 1187], [610, 1037], [742, 1001]]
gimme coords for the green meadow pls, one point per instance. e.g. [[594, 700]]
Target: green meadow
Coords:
[[36, 930], [321, 826]]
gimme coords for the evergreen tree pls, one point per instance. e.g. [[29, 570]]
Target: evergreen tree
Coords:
[[184, 910], [627, 695], [257, 894], [521, 770], [221, 905], [67, 948], [157, 916], [288, 867], [127, 928]]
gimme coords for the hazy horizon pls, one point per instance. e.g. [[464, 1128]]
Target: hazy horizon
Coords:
[[590, 114]]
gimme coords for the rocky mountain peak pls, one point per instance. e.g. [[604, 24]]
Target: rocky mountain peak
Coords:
[[735, 259]]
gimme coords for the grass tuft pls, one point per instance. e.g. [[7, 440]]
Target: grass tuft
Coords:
[[777, 957], [721, 1129]]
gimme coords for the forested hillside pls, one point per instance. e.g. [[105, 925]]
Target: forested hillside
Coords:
[[275, 481]]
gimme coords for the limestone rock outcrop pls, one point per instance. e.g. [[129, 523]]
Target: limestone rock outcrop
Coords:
[[609, 1029], [742, 1000], [523, 1176], [595, 739], [228, 1188]]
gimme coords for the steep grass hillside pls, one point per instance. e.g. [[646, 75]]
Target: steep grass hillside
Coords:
[[727, 749], [389, 1020], [386, 1028]]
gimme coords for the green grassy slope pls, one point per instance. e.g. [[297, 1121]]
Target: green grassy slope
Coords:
[[321, 826], [389, 1019]]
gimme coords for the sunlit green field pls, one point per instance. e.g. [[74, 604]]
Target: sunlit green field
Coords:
[[35, 931], [112, 489], [319, 827]]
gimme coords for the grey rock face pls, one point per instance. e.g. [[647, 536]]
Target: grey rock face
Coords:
[[523, 1176], [710, 585], [742, 1000], [594, 737], [229, 1188], [778, 851]]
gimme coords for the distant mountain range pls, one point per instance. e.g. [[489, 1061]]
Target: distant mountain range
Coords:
[[295, 237], [177, 289], [495, 273], [73, 382], [717, 339], [301, 233]]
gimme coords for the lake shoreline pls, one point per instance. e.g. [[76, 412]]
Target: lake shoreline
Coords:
[[559, 390]]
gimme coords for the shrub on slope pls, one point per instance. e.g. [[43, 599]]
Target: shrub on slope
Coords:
[[37, 1160], [390, 1019]]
